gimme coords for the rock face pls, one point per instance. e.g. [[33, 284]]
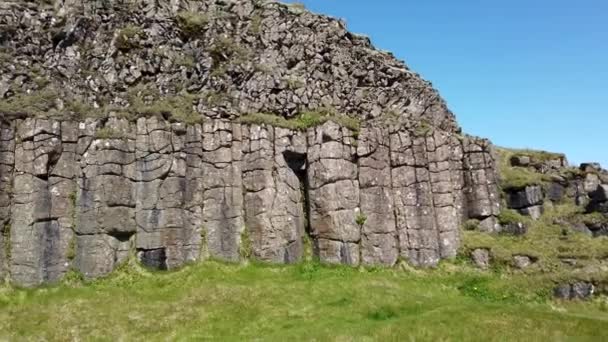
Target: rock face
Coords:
[[123, 133], [88, 194]]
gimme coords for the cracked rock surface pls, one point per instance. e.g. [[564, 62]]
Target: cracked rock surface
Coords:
[[74, 195], [122, 135]]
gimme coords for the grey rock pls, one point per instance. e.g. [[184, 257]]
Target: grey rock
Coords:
[[535, 212], [574, 291], [520, 160], [522, 261], [527, 197], [481, 258], [515, 228]]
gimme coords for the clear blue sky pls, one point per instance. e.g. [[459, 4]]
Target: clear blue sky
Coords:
[[524, 73]]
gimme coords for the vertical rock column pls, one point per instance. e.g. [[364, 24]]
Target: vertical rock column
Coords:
[[168, 177], [444, 182], [274, 166], [7, 164], [414, 200], [41, 217], [106, 196], [334, 194], [482, 199], [379, 245], [222, 188]]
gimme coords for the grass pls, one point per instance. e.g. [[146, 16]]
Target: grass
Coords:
[[303, 121], [126, 38], [550, 243], [514, 177], [192, 24], [216, 301]]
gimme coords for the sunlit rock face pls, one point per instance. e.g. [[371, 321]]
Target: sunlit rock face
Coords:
[[123, 134]]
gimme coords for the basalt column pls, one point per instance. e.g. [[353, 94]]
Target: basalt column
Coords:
[[41, 215], [168, 193], [379, 245], [222, 213], [482, 199], [7, 163], [105, 217], [334, 194], [274, 169]]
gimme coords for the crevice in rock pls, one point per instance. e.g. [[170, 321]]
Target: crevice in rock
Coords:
[[298, 163], [153, 258]]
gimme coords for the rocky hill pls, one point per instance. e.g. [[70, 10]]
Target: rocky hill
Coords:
[[232, 130]]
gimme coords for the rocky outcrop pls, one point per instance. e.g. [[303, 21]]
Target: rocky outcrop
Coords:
[[87, 195], [125, 133]]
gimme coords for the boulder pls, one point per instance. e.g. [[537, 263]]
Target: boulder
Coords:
[[520, 160], [481, 258], [523, 261], [527, 197], [574, 291], [535, 212], [515, 228]]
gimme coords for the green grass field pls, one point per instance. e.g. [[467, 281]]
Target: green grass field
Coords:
[[216, 301]]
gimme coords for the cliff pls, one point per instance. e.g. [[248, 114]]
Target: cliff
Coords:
[[223, 129]]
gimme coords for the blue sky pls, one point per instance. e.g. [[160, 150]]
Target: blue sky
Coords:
[[524, 73]]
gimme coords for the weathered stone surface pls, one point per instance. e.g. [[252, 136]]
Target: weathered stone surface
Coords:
[[274, 178], [535, 212], [577, 290], [527, 197], [222, 193], [334, 194], [137, 180], [515, 228], [379, 243], [522, 261], [41, 220], [481, 258]]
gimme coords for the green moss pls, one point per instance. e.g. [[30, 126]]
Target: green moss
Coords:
[[108, 133], [360, 219], [255, 27], [71, 252], [127, 38], [192, 24], [547, 242], [38, 103], [514, 177], [471, 224], [509, 216], [226, 51], [245, 246], [186, 61], [423, 128], [301, 122]]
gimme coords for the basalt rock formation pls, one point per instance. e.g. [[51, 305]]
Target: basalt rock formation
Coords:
[[134, 128]]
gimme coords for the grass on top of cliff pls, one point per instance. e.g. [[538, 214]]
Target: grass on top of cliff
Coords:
[[216, 301]]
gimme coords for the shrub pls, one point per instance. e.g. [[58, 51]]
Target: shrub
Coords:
[[508, 216], [245, 247], [360, 219], [126, 38], [192, 24], [471, 224], [108, 133]]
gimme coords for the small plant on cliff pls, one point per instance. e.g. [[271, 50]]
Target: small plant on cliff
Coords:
[[6, 234], [192, 24], [126, 38], [471, 224], [245, 247], [510, 216], [108, 133], [360, 219]]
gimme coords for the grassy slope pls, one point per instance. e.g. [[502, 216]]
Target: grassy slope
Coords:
[[302, 302]]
